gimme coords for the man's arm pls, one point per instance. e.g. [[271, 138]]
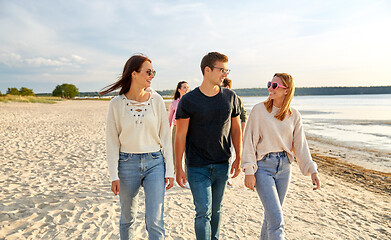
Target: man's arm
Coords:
[[182, 126], [243, 115], [236, 136], [243, 127]]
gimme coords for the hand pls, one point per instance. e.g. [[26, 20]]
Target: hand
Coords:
[[315, 181], [249, 181], [115, 187], [180, 177], [169, 182], [235, 169]]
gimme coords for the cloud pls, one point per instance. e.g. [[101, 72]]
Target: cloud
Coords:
[[14, 60], [169, 9], [88, 43]]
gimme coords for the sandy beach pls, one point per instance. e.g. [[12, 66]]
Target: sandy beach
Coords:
[[54, 185]]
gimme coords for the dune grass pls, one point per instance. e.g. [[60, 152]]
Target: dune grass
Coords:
[[29, 99]]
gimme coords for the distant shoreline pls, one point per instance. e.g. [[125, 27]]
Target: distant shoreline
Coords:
[[320, 91], [256, 92]]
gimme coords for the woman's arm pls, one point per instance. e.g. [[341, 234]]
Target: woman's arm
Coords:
[[252, 134], [112, 140], [302, 153], [165, 139], [301, 149]]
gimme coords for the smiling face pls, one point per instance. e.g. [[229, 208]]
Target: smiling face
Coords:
[[144, 77], [184, 89], [279, 93], [217, 75]]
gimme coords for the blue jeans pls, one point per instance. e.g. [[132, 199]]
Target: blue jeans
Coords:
[[272, 181], [207, 184], [146, 170]]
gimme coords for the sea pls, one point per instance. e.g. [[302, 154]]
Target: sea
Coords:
[[359, 121]]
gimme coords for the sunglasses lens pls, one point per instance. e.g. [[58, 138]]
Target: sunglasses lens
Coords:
[[274, 85], [268, 84], [154, 73]]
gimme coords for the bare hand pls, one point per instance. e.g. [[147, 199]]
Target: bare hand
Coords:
[[315, 181], [249, 181], [115, 187], [235, 169], [180, 177], [169, 182]]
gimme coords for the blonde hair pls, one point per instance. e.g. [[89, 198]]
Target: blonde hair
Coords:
[[287, 80]]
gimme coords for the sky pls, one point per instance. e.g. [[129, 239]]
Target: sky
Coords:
[[46, 43]]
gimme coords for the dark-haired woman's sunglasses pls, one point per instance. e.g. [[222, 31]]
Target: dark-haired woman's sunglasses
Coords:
[[274, 85], [151, 72]]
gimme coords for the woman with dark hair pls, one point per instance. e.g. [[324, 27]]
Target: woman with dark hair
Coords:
[[139, 151], [181, 89], [273, 138]]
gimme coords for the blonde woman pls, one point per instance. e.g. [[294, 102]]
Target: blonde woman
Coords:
[[274, 136]]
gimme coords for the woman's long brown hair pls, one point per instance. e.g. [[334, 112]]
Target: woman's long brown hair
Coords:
[[178, 86], [134, 63]]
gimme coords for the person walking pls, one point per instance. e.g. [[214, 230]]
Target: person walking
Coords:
[[139, 151], [273, 137], [206, 118], [227, 83], [181, 89]]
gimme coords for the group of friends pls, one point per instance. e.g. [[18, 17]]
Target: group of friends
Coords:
[[146, 148]]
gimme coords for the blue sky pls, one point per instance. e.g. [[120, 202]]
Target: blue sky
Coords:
[[44, 43]]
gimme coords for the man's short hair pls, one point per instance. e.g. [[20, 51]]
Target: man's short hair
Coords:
[[210, 59]]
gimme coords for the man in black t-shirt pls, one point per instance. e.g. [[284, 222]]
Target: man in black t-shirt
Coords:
[[206, 119]]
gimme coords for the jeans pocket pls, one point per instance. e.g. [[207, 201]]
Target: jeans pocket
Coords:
[[123, 157], [156, 155]]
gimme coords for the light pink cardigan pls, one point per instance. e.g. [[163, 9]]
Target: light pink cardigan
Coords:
[[172, 112]]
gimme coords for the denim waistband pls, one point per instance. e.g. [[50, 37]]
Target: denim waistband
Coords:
[[275, 154], [133, 154]]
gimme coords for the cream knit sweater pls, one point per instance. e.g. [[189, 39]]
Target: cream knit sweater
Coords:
[[264, 134], [135, 127]]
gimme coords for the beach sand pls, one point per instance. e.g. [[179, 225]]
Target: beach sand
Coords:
[[54, 185]]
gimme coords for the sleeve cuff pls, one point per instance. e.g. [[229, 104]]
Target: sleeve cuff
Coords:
[[250, 170], [314, 168]]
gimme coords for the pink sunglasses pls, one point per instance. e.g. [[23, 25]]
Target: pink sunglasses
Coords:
[[274, 85]]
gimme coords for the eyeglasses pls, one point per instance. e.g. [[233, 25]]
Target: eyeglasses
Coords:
[[151, 72], [274, 85], [223, 70]]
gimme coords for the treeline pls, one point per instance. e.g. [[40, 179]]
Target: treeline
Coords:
[[320, 91], [264, 92], [64, 90], [308, 91], [23, 91]]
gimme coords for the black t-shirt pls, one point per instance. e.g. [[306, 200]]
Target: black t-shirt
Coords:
[[208, 136]]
